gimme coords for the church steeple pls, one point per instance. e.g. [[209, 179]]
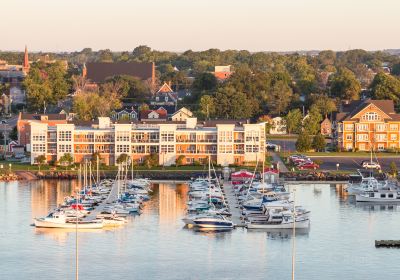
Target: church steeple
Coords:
[[26, 60]]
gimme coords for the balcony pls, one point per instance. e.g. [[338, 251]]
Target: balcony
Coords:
[[241, 140], [145, 140]]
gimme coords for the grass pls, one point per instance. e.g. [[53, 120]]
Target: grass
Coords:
[[281, 137]]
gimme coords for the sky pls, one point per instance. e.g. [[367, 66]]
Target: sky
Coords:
[[179, 25]]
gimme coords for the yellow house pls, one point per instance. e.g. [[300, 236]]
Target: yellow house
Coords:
[[370, 124]]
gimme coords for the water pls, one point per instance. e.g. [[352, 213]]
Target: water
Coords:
[[154, 245]]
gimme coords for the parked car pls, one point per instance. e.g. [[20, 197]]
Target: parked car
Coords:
[[271, 146], [308, 165], [370, 164]]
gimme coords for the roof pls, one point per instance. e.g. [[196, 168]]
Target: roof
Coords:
[[162, 113], [213, 123], [50, 117], [99, 71], [386, 106], [165, 88]]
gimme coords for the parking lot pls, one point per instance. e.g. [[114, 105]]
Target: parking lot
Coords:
[[353, 163]]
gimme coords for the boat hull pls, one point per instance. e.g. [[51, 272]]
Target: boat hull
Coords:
[[208, 224], [46, 224], [299, 225]]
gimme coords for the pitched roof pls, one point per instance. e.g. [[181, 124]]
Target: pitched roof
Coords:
[[99, 71], [50, 117], [165, 88], [386, 106]]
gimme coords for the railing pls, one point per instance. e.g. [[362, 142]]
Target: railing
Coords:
[[185, 140], [145, 140], [239, 140]]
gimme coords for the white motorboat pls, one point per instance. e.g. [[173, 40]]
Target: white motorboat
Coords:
[[213, 222], [59, 220], [112, 221], [383, 195], [279, 218]]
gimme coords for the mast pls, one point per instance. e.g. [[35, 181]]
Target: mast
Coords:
[[76, 226], [209, 177], [132, 169], [294, 234], [90, 175], [97, 170]]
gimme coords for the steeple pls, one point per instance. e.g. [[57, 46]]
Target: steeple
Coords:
[[26, 60], [84, 70]]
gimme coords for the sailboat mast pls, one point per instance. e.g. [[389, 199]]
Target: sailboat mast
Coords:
[[76, 226], [209, 177], [97, 170], [132, 169], [294, 234]]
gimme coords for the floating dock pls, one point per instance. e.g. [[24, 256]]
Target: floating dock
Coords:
[[233, 204], [387, 243]]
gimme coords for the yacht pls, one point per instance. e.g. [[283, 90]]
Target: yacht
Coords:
[[382, 195], [213, 222], [59, 220], [276, 219]]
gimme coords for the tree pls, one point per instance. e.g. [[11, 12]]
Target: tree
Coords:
[[345, 85], [151, 160], [128, 88], [66, 159], [303, 143], [324, 104], [207, 106], [318, 143], [41, 159], [386, 87], [122, 158], [204, 82], [311, 123], [279, 97], [143, 107], [393, 168], [90, 105], [14, 134], [179, 160], [293, 121], [233, 104]]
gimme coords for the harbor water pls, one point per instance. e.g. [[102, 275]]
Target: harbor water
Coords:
[[155, 244]]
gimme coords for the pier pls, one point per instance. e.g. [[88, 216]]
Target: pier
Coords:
[[112, 196], [233, 204], [387, 243]]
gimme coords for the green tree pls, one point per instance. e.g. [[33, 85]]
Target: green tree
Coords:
[[324, 104], [318, 143], [279, 97], [40, 160], [293, 121], [233, 104], [204, 82], [386, 87], [143, 107], [207, 106], [393, 168], [345, 85], [122, 158], [311, 123], [179, 160], [150, 160], [90, 105], [66, 159], [14, 134], [303, 143]]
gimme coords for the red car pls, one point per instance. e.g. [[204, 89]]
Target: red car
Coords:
[[308, 165]]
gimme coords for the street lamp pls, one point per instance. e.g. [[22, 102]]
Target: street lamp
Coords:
[[337, 166], [9, 165]]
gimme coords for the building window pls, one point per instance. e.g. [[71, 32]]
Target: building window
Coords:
[[122, 135], [362, 127], [394, 127], [65, 148], [381, 147], [225, 149], [38, 136], [252, 136], [349, 137], [252, 149], [349, 147], [167, 136], [380, 137], [225, 136], [362, 147], [138, 149], [362, 137], [122, 148], [64, 136], [380, 127], [349, 127], [371, 116], [393, 136], [167, 148], [38, 148]]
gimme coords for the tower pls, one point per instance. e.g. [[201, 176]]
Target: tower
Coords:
[[26, 60], [84, 71]]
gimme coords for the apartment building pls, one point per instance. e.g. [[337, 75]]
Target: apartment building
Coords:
[[362, 125], [227, 142]]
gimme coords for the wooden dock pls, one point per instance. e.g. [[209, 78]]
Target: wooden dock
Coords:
[[112, 197], [233, 204], [387, 243]]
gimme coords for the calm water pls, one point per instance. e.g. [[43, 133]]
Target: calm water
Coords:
[[154, 245]]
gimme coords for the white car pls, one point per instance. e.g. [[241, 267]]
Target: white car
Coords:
[[370, 165]]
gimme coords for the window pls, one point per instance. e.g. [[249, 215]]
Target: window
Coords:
[[349, 127], [381, 127], [252, 149], [371, 116], [65, 148], [225, 136], [167, 136], [64, 136], [349, 137], [252, 136], [362, 137], [381, 147], [38, 148], [225, 149], [122, 135], [361, 147], [390, 195], [122, 148], [167, 148], [362, 127], [380, 137], [393, 136], [349, 147], [138, 149], [394, 127], [189, 160], [38, 136]]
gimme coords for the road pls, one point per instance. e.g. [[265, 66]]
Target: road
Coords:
[[353, 163]]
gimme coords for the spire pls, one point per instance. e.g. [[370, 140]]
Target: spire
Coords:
[[26, 60], [84, 70]]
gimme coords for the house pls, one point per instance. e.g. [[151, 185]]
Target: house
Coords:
[[165, 96], [182, 114], [326, 127], [98, 72], [368, 124], [125, 114], [278, 126], [160, 114], [17, 94], [222, 72]]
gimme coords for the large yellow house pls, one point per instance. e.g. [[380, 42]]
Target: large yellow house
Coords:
[[367, 124]]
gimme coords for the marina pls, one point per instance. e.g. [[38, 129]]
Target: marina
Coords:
[[155, 244]]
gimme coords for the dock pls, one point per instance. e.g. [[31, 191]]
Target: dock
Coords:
[[233, 204], [387, 243], [112, 196]]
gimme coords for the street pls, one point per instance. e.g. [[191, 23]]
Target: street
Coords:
[[353, 163]]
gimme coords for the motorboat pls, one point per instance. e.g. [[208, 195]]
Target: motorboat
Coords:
[[382, 195], [59, 220], [279, 220], [213, 222]]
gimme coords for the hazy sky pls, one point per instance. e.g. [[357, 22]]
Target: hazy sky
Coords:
[[177, 25]]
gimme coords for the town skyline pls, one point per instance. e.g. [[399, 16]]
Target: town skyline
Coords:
[[257, 26]]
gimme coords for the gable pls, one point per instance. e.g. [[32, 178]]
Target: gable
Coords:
[[165, 88], [371, 113]]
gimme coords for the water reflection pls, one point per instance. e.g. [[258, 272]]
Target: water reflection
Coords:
[[280, 233]]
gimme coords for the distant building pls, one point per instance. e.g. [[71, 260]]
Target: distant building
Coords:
[[326, 127], [160, 114], [125, 114], [278, 126], [222, 72], [367, 124], [17, 95], [165, 96], [98, 72], [182, 114]]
